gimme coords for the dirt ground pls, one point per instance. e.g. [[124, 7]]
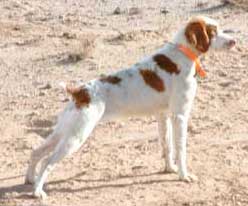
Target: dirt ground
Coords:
[[44, 42]]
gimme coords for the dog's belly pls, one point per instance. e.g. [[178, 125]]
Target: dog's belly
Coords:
[[125, 112], [130, 105]]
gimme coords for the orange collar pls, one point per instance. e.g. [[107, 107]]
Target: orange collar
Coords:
[[191, 55]]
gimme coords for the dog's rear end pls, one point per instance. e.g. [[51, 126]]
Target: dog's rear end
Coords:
[[74, 126]]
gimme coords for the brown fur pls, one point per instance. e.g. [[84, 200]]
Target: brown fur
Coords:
[[80, 96], [211, 31], [110, 79], [197, 35], [152, 79], [166, 64]]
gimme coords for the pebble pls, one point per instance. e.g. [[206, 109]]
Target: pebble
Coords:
[[117, 11], [164, 11], [231, 31], [245, 148], [67, 35], [42, 94], [225, 84], [134, 11], [45, 86], [32, 113]]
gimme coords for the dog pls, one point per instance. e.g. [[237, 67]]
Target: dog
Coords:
[[163, 85]]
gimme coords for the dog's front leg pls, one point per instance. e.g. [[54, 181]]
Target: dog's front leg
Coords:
[[166, 142], [180, 124]]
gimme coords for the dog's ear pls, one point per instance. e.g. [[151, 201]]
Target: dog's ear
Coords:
[[197, 36]]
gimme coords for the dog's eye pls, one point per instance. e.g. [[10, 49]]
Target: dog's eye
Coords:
[[212, 31]]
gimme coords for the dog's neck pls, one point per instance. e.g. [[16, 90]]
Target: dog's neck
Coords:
[[189, 51], [181, 39]]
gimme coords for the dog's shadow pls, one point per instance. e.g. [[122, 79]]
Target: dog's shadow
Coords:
[[43, 128], [21, 189], [122, 181], [25, 191]]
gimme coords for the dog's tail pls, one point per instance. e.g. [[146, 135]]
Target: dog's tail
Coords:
[[69, 89], [80, 94]]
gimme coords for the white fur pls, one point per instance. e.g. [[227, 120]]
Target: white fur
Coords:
[[132, 96]]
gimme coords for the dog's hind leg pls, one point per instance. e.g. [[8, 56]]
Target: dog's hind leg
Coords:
[[81, 124], [48, 146], [38, 154]]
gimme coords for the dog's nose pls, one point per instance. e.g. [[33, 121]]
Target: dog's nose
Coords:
[[231, 43]]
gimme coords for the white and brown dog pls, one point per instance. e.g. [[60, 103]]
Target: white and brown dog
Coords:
[[163, 85]]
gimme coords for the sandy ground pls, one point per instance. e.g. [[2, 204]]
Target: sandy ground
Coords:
[[40, 45]]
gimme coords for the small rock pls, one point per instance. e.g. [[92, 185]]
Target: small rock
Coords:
[[245, 148], [121, 147], [45, 86], [117, 11], [42, 94], [228, 162], [231, 31], [201, 4], [228, 31], [16, 28], [74, 57], [134, 11], [67, 35], [103, 24], [32, 113], [164, 11], [138, 167], [225, 84], [222, 74]]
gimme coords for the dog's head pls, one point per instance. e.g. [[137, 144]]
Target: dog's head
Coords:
[[203, 34]]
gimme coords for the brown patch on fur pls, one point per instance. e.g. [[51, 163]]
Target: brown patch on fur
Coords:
[[197, 35], [152, 79], [211, 31], [110, 79], [166, 64], [80, 95]]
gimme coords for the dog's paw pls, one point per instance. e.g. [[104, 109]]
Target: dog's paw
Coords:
[[40, 194], [189, 178]]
